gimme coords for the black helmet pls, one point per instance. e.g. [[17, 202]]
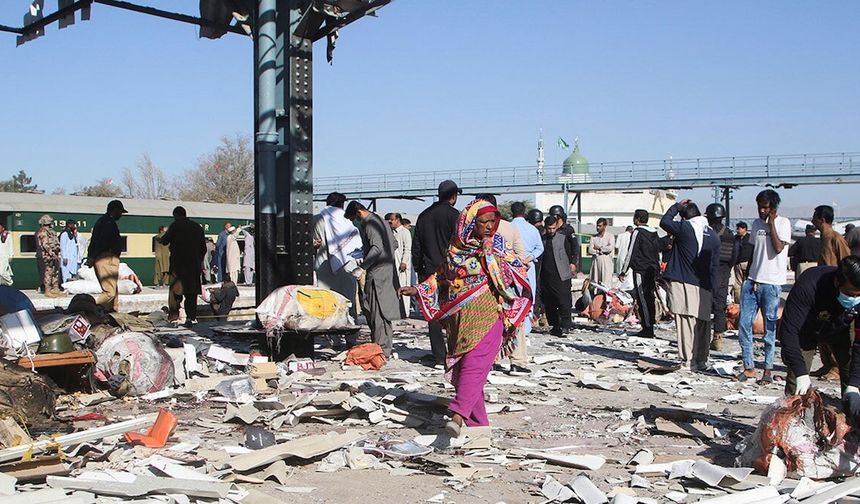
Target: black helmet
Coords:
[[715, 211], [534, 216], [557, 210]]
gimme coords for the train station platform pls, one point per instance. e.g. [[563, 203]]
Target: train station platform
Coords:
[[146, 301]]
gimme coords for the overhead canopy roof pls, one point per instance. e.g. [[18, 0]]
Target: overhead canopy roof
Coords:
[[322, 17]]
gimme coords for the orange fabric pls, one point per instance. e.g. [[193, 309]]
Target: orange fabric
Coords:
[[733, 314], [368, 356], [157, 435], [595, 310]]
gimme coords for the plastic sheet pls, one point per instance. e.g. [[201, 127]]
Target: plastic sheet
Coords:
[[133, 364], [304, 308], [806, 434]]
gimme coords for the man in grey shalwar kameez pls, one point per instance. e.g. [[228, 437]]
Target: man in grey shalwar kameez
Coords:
[[381, 302]]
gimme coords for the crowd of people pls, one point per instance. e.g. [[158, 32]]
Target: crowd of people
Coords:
[[483, 283], [184, 260]]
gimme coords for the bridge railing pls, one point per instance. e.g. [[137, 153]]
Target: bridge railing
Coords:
[[657, 171]]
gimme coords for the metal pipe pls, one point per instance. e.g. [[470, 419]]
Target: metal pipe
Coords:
[[175, 16], [265, 139]]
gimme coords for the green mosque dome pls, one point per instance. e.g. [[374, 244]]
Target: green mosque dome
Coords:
[[575, 164]]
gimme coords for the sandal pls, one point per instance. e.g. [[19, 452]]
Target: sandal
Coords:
[[766, 379], [743, 376]]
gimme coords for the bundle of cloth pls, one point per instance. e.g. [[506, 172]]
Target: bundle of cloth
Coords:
[[88, 283]]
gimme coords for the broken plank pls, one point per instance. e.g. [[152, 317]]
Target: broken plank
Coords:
[[835, 493], [690, 429], [749, 496], [78, 437], [305, 448], [143, 485], [589, 462], [61, 359], [36, 469]]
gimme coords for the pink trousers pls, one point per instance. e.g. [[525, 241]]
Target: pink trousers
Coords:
[[470, 375]]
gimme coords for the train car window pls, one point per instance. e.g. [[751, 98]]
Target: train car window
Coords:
[[28, 244]]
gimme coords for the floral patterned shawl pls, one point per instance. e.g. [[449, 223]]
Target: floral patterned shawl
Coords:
[[480, 281]]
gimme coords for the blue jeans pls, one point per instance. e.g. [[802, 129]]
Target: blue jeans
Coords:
[[764, 297]]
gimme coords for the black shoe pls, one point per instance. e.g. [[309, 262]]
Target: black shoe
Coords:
[[644, 333], [519, 370], [498, 368], [556, 331]]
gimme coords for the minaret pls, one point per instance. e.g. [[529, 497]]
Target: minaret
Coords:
[[540, 158]]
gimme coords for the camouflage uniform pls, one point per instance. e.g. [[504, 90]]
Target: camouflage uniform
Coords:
[[48, 253]]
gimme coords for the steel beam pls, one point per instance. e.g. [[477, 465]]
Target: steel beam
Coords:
[[322, 189], [175, 16], [283, 146], [266, 144]]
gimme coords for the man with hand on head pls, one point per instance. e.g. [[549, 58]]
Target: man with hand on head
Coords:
[[692, 276]]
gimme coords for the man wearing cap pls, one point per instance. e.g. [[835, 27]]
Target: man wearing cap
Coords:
[[434, 228], [103, 254], [187, 248], [381, 302], [48, 255]]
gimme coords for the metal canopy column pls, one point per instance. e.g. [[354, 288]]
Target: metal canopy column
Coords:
[[283, 145], [727, 198]]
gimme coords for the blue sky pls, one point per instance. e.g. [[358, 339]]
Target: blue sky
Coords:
[[449, 85]]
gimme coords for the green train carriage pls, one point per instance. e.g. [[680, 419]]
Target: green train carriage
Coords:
[[20, 212]]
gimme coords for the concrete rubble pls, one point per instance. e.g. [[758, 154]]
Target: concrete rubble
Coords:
[[603, 418]]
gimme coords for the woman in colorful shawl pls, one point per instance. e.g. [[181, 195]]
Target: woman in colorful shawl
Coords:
[[481, 294]]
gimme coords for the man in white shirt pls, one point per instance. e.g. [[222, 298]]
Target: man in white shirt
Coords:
[[402, 255], [770, 235]]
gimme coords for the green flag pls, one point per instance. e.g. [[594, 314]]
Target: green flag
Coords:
[[561, 143]]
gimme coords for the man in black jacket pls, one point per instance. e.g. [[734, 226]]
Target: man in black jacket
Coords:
[[187, 248], [433, 231], [804, 253], [715, 214], [643, 260], [555, 276], [820, 309], [103, 254], [570, 235], [692, 274]]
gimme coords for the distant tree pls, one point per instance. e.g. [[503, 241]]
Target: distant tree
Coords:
[[223, 176], [505, 208], [59, 191], [146, 181], [18, 183], [104, 188]]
